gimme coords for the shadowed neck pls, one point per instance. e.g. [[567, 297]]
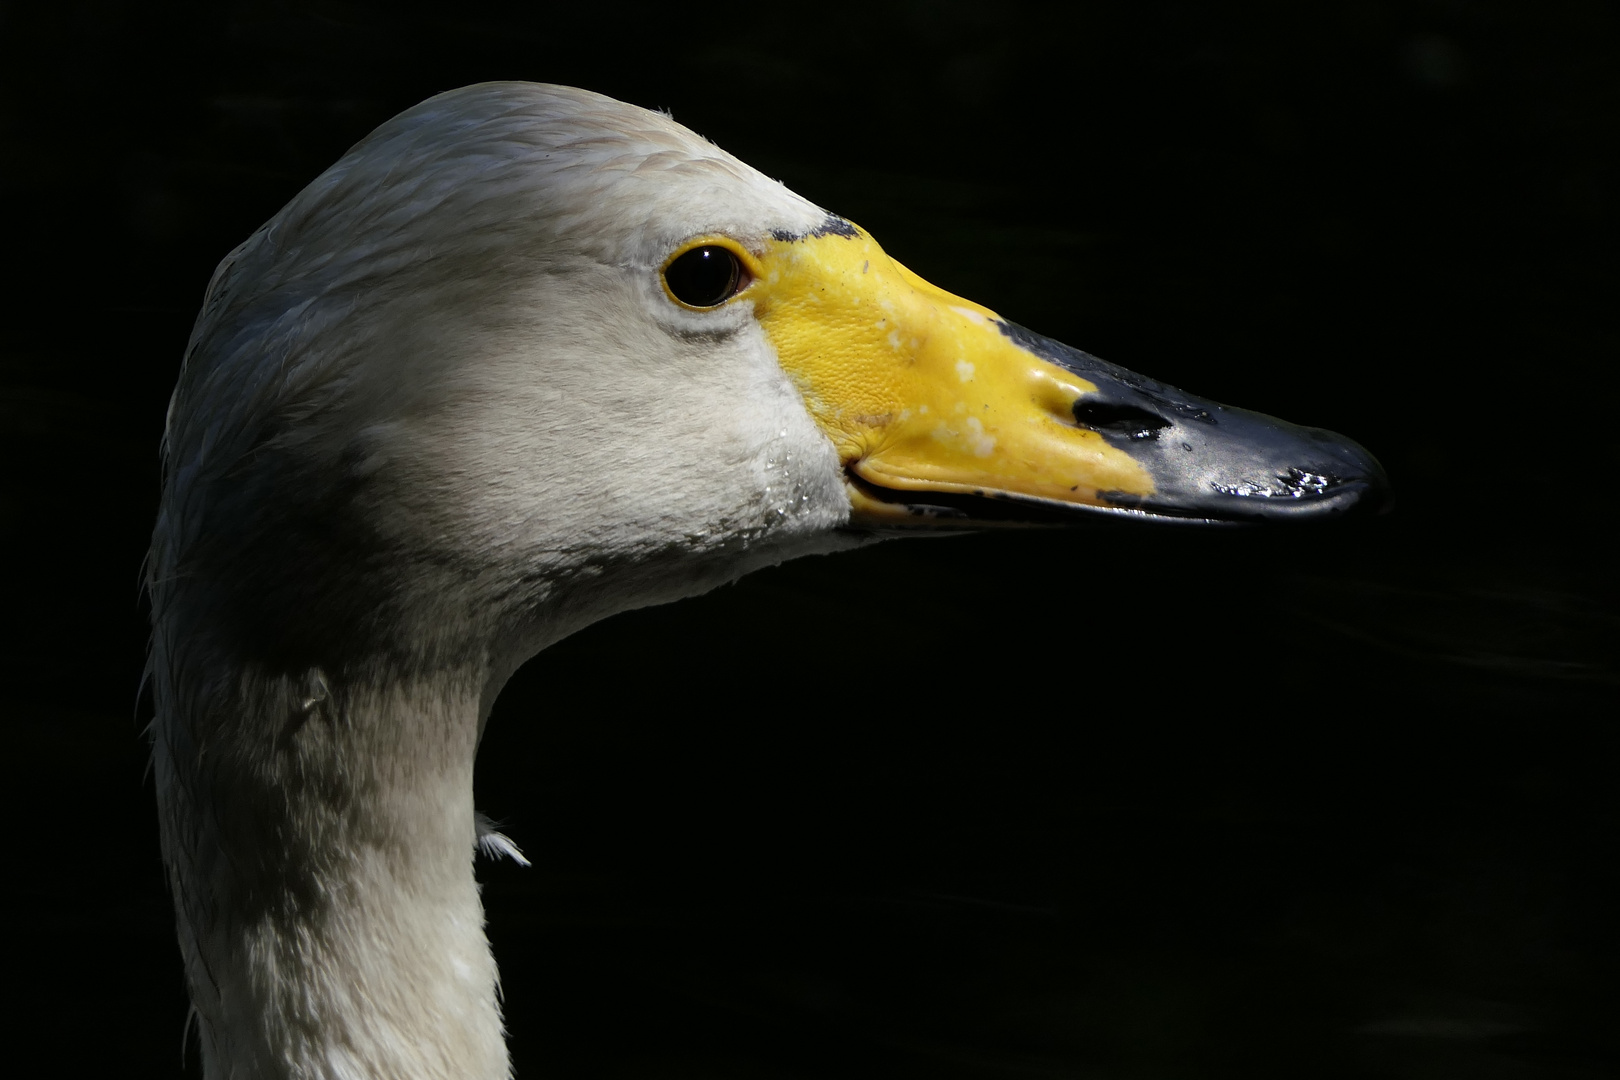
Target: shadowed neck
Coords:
[[320, 834]]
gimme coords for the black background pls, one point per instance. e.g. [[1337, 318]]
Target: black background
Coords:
[[1117, 802]]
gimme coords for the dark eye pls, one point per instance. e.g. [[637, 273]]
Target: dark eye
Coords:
[[705, 276]]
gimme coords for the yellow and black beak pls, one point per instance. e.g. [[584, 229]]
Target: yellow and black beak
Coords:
[[943, 412]]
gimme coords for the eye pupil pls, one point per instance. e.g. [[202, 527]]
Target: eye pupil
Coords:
[[704, 276]]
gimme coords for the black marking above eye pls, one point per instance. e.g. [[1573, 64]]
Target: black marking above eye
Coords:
[[705, 276]]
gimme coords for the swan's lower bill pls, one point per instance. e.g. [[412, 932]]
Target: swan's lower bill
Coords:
[[937, 406]]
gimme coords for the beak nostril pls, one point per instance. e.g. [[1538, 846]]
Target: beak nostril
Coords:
[[1118, 421]]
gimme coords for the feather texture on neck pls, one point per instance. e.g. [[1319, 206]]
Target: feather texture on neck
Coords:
[[320, 834]]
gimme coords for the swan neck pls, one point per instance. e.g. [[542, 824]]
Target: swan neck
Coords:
[[320, 834]]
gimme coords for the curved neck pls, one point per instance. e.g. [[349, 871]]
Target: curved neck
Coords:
[[320, 833]]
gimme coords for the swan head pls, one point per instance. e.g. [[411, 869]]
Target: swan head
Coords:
[[525, 357], [526, 349]]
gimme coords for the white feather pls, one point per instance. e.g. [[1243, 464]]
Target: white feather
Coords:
[[434, 415]]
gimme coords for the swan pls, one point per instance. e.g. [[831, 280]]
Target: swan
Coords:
[[525, 357]]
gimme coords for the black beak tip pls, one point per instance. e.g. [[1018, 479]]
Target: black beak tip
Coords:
[[1210, 462], [1349, 483], [1257, 469], [1366, 487]]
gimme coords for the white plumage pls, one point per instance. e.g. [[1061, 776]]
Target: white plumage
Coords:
[[434, 415], [447, 407]]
